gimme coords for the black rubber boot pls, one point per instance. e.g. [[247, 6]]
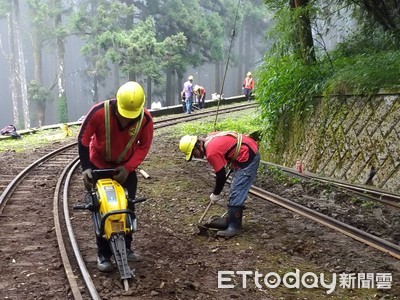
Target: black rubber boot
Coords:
[[104, 263], [130, 254], [235, 214], [218, 223]]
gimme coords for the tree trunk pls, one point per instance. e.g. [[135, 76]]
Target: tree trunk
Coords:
[[95, 96], [242, 59], [148, 93], [21, 64], [217, 77], [179, 85], [305, 34], [116, 77], [131, 76], [168, 96], [13, 71], [248, 51], [175, 100], [40, 108], [60, 53]]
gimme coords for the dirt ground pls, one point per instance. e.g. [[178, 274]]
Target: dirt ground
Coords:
[[180, 264]]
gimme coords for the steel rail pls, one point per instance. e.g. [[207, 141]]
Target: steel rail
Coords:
[[70, 169], [60, 240], [13, 184], [385, 197], [364, 237], [199, 115], [82, 265]]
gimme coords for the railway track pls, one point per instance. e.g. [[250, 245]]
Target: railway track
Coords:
[[44, 184], [357, 234], [28, 201], [27, 204], [365, 192]]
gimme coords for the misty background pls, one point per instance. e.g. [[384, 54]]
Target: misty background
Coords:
[[77, 53], [245, 53]]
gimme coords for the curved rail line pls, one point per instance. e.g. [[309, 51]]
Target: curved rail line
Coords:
[[25, 202], [17, 180], [67, 167], [362, 236], [43, 168], [362, 191], [169, 120]]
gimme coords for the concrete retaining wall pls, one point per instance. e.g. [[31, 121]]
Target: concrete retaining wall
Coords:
[[346, 137]]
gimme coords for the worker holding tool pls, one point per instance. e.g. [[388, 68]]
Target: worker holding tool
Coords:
[[200, 93], [116, 134], [227, 149]]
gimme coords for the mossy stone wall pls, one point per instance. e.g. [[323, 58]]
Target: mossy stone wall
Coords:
[[345, 137]]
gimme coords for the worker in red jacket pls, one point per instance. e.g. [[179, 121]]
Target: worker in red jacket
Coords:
[[116, 134], [240, 153], [200, 93], [248, 86]]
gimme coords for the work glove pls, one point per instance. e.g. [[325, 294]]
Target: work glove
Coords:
[[121, 174], [215, 198], [88, 179]]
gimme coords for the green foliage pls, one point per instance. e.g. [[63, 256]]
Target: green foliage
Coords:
[[62, 109], [38, 94], [245, 123], [173, 51], [202, 29], [215, 50], [40, 12], [4, 8], [287, 85], [366, 40], [365, 73], [366, 61], [134, 50], [97, 23], [34, 139], [279, 175], [41, 17]]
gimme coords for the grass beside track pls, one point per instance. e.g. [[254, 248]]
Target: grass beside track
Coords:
[[38, 138]]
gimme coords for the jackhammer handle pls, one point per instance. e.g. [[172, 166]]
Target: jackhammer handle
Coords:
[[102, 170], [137, 200], [80, 206]]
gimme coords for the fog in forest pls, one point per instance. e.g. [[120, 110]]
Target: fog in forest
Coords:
[[79, 94], [78, 87]]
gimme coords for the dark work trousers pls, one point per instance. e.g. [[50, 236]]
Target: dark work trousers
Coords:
[[103, 247], [247, 93], [200, 100]]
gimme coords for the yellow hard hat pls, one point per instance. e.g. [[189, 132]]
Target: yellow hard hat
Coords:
[[130, 100], [248, 73], [190, 77], [186, 145]]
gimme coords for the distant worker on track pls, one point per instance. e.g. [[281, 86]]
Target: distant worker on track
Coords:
[[200, 93], [227, 148], [248, 86], [188, 90], [116, 134]]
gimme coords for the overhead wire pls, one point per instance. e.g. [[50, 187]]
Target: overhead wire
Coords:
[[233, 32]]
